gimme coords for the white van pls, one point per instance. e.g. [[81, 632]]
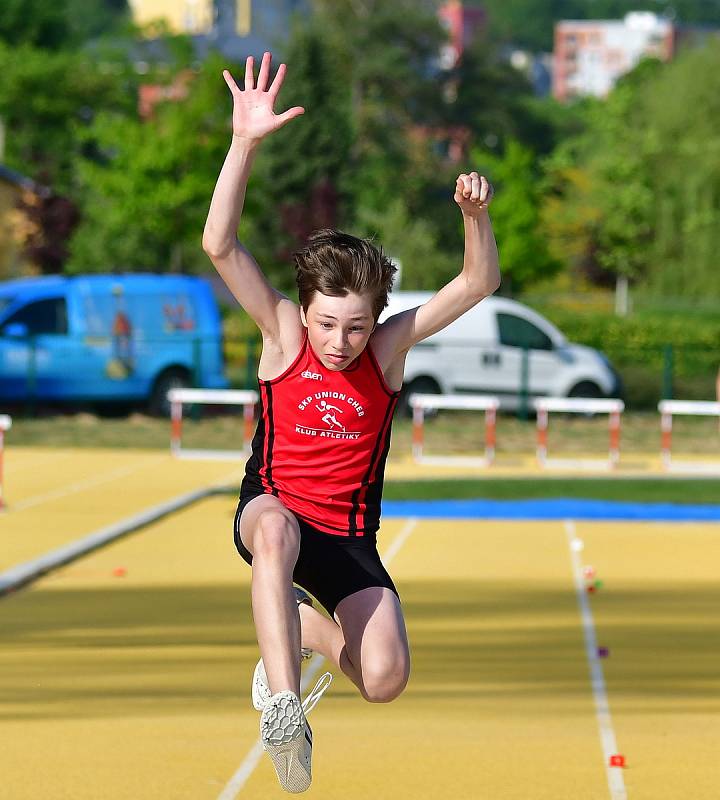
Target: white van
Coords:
[[483, 352]]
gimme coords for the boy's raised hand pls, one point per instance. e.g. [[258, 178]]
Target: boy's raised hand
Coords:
[[473, 194], [253, 115]]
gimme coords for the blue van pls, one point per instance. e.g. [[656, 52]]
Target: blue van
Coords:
[[108, 338]]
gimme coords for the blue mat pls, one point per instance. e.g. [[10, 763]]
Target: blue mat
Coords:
[[556, 508]]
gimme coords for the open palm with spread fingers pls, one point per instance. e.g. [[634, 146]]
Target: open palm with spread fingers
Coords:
[[253, 114]]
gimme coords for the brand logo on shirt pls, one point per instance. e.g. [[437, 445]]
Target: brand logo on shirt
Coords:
[[315, 376]]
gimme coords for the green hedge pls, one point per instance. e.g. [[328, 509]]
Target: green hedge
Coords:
[[656, 354]]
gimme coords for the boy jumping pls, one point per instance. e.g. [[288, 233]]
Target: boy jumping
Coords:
[[329, 378]]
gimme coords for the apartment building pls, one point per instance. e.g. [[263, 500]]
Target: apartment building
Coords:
[[590, 55]]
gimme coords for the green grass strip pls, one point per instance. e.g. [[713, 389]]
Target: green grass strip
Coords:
[[644, 490]]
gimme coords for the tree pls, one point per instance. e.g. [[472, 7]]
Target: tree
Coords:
[[491, 100], [650, 161], [413, 242], [530, 23], [145, 202], [515, 212], [302, 177], [53, 25], [47, 99], [389, 57]]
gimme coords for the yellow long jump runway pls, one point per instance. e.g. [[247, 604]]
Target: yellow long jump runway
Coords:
[[137, 686], [54, 497], [657, 611]]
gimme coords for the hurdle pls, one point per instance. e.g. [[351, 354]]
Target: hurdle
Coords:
[[667, 409], [578, 405], [5, 425], [470, 402], [180, 397]]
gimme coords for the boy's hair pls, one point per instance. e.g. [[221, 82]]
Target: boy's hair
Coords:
[[335, 263]]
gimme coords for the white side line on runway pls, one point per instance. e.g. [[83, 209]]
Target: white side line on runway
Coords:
[[239, 779], [28, 571], [80, 486], [615, 780]]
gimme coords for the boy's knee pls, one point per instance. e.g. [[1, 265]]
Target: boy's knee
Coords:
[[386, 681], [275, 535]]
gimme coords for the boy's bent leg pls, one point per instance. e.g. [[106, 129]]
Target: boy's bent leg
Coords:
[[325, 636], [270, 532], [376, 640]]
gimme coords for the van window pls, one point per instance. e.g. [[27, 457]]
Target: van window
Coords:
[[42, 316], [519, 332], [5, 302]]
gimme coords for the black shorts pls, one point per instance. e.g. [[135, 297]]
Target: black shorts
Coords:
[[330, 567]]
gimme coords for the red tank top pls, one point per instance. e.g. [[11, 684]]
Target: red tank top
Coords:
[[322, 441]]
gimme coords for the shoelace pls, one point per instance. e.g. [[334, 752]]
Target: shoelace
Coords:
[[318, 691]]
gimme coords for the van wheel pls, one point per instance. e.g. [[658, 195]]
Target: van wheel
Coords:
[[173, 378], [422, 385], [586, 389]]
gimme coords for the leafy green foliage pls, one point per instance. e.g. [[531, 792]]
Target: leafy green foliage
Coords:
[[53, 25], [145, 201], [530, 23], [524, 257], [637, 189], [301, 180], [386, 50], [413, 241], [47, 100]]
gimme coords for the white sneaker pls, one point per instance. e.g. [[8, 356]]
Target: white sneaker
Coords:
[[260, 688], [287, 737]]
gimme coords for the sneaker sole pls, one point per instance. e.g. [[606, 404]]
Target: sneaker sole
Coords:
[[288, 758]]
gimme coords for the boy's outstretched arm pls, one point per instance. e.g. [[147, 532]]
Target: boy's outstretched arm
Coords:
[[480, 275], [253, 120]]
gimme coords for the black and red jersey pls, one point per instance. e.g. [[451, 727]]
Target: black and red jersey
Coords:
[[322, 441]]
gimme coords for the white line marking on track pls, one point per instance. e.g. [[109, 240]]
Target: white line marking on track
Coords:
[[615, 780], [239, 779], [80, 486]]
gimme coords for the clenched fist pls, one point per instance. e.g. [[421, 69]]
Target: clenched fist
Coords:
[[473, 194]]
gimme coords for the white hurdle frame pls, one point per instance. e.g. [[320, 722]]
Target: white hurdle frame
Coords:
[[695, 408], [463, 402], [247, 398], [5, 425], [578, 405]]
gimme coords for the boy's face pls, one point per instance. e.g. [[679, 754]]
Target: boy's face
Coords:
[[338, 327]]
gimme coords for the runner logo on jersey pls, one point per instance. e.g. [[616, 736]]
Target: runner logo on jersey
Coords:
[[330, 408]]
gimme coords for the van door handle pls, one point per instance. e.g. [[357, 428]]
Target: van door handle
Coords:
[[491, 359]]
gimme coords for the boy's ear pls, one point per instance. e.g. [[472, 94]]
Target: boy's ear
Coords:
[[303, 318]]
